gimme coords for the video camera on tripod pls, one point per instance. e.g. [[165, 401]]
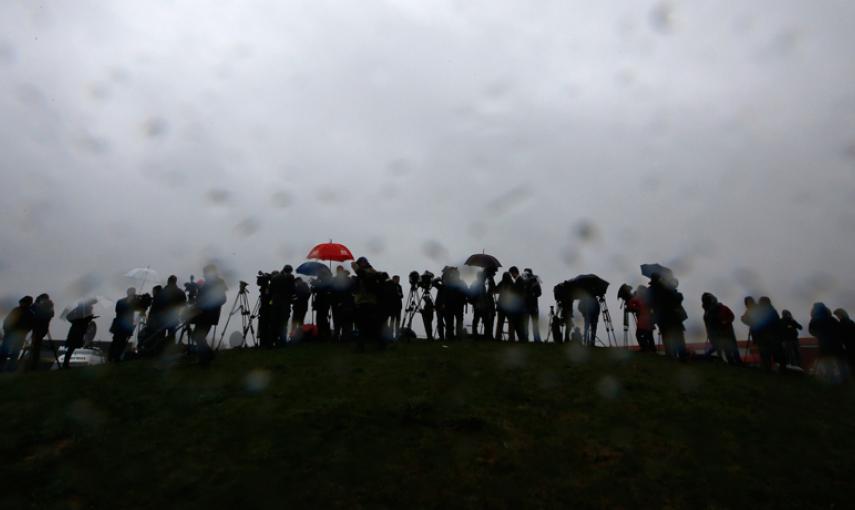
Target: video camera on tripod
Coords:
[[420, 286]]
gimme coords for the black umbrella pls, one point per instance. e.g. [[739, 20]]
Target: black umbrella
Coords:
[[589, 284], [665, 274], [313, 268], [483, 260]]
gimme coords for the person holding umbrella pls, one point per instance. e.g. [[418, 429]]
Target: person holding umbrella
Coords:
[[81, 318], [668, 311]]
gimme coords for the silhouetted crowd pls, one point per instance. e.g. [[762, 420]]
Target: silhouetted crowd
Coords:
[[362, 304]]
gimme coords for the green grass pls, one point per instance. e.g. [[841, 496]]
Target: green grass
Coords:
[[471, 425]]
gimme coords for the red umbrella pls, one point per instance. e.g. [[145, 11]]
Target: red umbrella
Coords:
[[330, 251]]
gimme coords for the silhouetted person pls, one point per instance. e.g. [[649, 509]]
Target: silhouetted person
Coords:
[[174, 300], [368, 288], [43, 312], [397, 305], [16, 326], [80, 317], [532, 311], [265, 310], [790, 338], [589, 307], [510, 307], [152, 336], [825, 328], [516, 313], [439, 307], [718, 320], [767, 328], [564, 299], [454, 300], [639, 305], [427, 312], [209, 302], [555, 325], [847, 335], [123, 324], [482, 295], [302, 293], [282, 295], [323, 301], [750, 317], [669, 315], [344, 304]]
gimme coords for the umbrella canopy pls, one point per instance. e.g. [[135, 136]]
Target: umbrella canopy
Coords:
[[313, 269], [664, 273], [589, 284], [330, 251], [483, 260], [142, 276]]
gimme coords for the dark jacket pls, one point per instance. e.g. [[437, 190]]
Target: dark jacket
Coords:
[[212, 296]]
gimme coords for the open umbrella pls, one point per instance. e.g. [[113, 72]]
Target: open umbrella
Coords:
[[331, 252], [664, 273], [142, 275], [589, 284], [483, 260], [313, 269]]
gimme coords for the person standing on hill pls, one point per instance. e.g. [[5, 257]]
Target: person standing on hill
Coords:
[[427, 315], [825, 328], [16, 326], [847, 335], [302, 294], [282, 295], [767, 329], [718, 319], [532, 311], [123, 325], [43, 312], [790, 338], [669, 315], [175, 300], [209, 303], [368, 289], [639, 305], [589, 307]]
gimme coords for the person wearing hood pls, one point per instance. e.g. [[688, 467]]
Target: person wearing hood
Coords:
[[767, 328], [669, 315], [847, 335], [718, 319], [826, 329]]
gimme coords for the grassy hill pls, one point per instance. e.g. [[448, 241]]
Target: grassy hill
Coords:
[[423, 425]]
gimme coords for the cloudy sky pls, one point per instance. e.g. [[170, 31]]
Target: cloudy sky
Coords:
[[571, 137]]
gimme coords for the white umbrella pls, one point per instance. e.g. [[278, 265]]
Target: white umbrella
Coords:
[[142, 275]]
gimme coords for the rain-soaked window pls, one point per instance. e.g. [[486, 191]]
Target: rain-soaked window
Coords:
[[609, 151]]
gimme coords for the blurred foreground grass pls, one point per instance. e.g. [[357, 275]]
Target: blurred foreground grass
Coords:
[[421, 425]]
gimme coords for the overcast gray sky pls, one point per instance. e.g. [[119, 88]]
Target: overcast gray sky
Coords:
[[567, 136]]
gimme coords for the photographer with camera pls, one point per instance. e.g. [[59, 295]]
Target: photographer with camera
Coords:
[[532, 312], [282, 295], [638, 303]]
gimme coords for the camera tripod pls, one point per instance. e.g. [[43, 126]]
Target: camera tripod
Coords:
[[247, 315], [607, 321], [414, 305]]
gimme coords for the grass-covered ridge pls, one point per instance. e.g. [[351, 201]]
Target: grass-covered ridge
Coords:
[[421, 425]]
